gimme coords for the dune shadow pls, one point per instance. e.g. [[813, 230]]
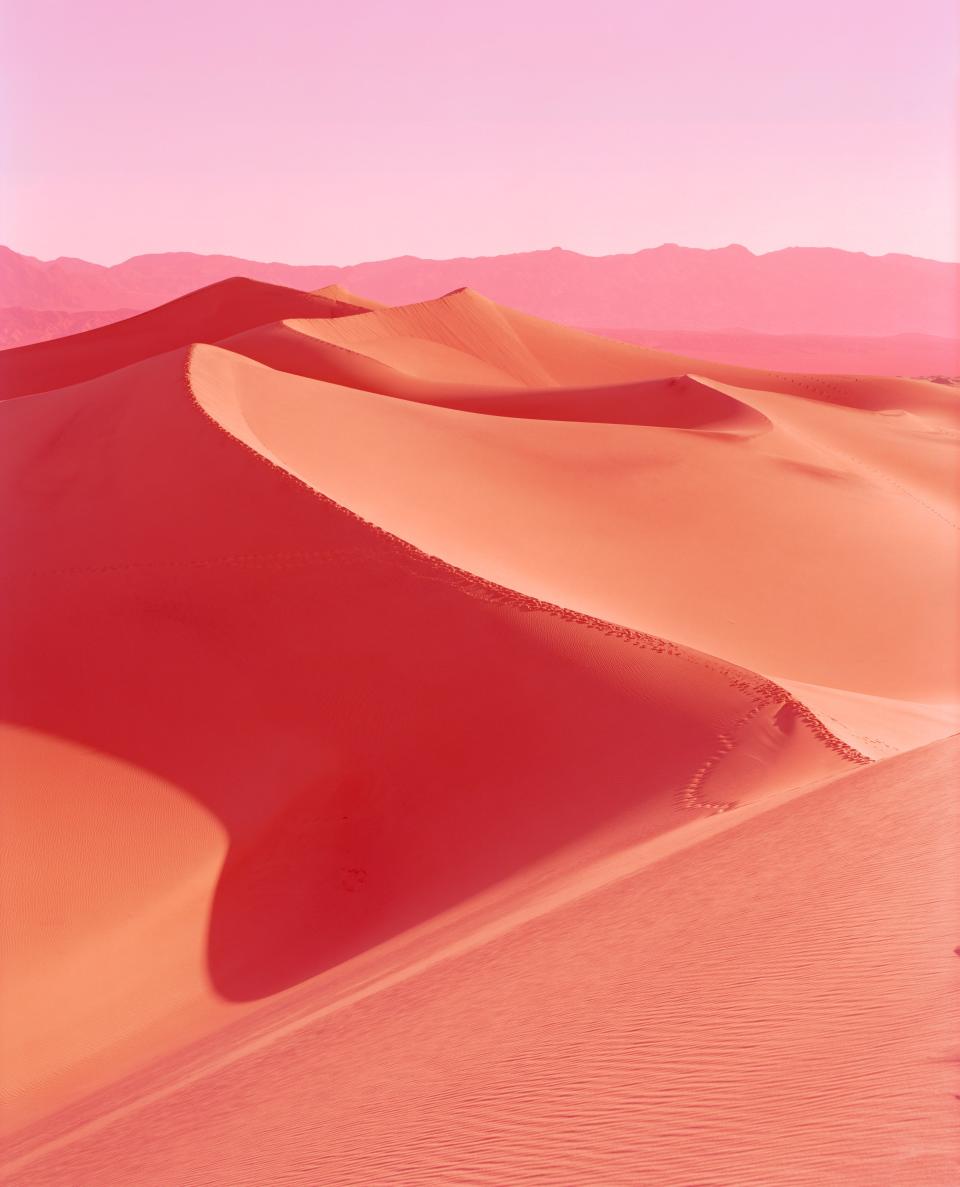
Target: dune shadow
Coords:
[[380, 736], [378, 742]]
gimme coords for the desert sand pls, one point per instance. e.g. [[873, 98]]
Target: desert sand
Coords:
[[448, 747]]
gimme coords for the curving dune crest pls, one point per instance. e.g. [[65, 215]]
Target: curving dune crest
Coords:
[[481, 713], [506, 497], [211, 313]]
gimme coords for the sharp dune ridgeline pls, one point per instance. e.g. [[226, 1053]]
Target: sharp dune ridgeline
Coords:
[[431, 730]]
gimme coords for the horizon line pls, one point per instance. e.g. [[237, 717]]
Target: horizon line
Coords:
[[738, 247]]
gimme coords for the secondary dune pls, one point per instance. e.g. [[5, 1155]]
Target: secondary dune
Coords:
[[464, 342], [207, 315], [355, 655]]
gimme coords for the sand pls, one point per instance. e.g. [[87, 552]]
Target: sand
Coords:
[[443, 750], [765, 1001]]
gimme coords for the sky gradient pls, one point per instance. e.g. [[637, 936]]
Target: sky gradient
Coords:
[[319, 132]]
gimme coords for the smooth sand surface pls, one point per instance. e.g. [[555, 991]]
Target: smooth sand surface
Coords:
[[765, 1002], [441, 752]]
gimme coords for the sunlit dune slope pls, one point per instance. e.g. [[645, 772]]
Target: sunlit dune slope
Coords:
[[474, 386], [531, 352], [105, 888], [464, 352], [206, 315], [766, 1000], [722, 538]]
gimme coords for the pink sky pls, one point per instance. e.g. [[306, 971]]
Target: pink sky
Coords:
[[333, 132]]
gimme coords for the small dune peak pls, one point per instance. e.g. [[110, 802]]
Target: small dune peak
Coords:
[[235, 287], [467, 297], [337, 292], [237, 282]]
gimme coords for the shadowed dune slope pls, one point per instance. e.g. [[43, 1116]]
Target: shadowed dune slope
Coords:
[[373, 734], [766, 1001]]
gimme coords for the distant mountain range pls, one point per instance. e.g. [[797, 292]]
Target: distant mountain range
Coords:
[[799, 290]]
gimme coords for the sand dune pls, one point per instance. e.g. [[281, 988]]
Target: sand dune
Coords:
[[503, 497], [375, 677], [474, 333], [207, 315]]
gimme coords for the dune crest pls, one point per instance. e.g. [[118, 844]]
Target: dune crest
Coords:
[[493, 495], [209, 314]]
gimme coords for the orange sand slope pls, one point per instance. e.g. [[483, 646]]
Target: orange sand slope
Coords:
[[347, 643], [765, 1000]]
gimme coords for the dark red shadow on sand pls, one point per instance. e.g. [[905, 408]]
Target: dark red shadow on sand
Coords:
[[380, 739], [206, 315]]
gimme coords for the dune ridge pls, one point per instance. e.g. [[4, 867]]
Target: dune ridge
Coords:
[[512, 461], [224, 307], [763, 692]]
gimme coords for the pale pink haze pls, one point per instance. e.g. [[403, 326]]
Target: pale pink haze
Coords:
[[332, 133]]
